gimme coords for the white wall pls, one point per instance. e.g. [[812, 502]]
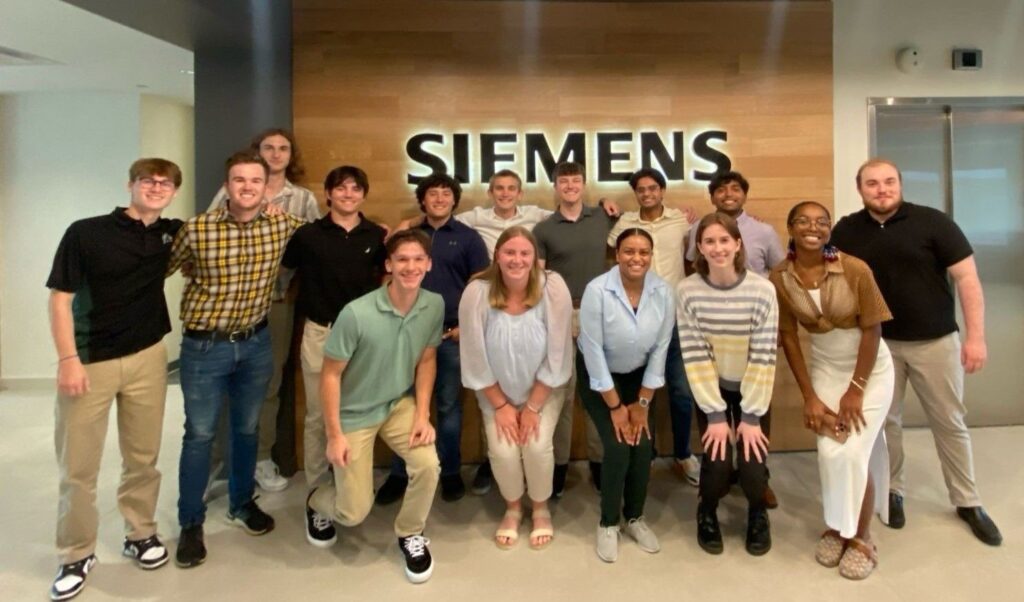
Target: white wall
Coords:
[[867, 34], [166, 130], [63, 156]]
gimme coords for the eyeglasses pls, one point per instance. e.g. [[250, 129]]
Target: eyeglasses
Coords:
[[821, 222], [151, 183]]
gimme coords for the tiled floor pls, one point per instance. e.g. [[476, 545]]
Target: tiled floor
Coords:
[[934, 558]]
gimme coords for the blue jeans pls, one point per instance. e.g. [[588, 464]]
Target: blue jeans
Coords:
[[680, 398], [448, 418], [212, 372]]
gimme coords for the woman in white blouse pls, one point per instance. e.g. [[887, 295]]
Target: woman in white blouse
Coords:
[[626, 320], [516, 349]]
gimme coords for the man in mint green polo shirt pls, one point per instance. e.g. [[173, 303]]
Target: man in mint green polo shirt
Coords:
[[380, 361]]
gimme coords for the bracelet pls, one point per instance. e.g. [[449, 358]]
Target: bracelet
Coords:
[[857, 384], [533, 409], [67, 357], [616, 407], [863, 380], [501, 406]]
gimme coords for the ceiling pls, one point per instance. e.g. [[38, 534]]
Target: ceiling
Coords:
[[50, 45]]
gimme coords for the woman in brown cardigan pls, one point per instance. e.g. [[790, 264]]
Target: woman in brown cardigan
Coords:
[[847, 387]]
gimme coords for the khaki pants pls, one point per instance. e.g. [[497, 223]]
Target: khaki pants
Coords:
[[139, 384], [533, 462], [314, 438], [563, 430], [349, 500], [934, 371]]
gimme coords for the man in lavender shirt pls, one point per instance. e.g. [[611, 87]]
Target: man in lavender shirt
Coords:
[[764, 250]]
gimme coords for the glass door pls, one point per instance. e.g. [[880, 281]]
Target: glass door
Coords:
[[966, 157]]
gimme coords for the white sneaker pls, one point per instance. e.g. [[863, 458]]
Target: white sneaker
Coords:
[[645, 538], [268, 477], [608, 543], [688, 469]]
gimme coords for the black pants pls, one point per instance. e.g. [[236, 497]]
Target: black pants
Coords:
[[715, 476], [626, 469]]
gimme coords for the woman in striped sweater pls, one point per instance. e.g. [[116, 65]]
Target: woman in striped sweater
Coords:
[[728, 320]]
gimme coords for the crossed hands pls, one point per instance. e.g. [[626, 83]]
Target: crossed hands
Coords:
[[517, 425], [630, 423]]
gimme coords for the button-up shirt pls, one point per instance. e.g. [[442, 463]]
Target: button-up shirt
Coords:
[[456, 253], [490, 225], [761, 243], [614, 338], [234, 266], [669, 233]]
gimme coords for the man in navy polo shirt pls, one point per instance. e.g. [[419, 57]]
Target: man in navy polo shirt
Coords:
[[457, 252], [108, 317], [913, 250]]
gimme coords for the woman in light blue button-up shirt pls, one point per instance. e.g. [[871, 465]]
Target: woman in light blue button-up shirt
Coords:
[[626, 320]]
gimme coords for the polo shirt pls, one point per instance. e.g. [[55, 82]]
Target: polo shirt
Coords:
[[909, 254], [669, 233], [115, 267], [489, 225], [577, 250], [456, 253], [760, 242], [335, 265], [382, 348]]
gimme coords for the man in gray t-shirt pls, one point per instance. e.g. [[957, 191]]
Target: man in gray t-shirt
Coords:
[[572, 242]]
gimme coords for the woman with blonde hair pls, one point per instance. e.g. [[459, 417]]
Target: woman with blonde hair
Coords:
[[516, 352]]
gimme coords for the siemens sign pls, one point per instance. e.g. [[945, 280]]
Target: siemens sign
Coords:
[[610, 156]]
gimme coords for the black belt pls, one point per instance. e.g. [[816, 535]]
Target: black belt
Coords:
[[223, 335]]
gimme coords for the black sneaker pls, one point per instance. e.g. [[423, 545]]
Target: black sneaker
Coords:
[[759, 532], [251, 518], [148, 553], [391, 491], [320, 529], [558, 480], [191, 550], [595, 475], [709, 534], [483, 479], [452, 488], [897, 519], [418, 563], [70, 579]]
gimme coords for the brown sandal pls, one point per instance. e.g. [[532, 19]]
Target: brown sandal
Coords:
[[859, 561], [830, 549]]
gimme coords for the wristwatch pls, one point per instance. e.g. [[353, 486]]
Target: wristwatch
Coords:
[[644, 402]]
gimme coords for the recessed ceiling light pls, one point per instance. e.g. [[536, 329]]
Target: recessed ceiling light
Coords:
[[141, 86], [187, 71]]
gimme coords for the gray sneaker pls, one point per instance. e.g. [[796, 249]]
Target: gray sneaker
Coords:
[[608, 543], [645, 538]]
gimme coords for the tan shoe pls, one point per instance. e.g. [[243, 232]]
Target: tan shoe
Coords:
[[830, 549], [859, 560]]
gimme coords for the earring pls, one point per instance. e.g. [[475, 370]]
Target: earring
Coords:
[[791, 254]]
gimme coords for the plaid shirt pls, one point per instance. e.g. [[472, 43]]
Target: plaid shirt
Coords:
[[234, 266]]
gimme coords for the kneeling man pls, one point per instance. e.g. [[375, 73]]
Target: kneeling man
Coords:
[[380, 361]]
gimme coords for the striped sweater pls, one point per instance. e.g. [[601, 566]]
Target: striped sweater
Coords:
[[729, 341]]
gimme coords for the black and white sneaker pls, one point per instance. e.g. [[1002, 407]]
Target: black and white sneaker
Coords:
[[70, 579], [418, 563], [320, 530], [148, 553], [251, 518]]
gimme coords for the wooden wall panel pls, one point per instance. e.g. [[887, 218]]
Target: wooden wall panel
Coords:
[[369, 73]]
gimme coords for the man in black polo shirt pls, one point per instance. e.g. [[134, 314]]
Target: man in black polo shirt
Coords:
[[456, 253], [912, 251], [108, 317], [338, 258], [572, 242]]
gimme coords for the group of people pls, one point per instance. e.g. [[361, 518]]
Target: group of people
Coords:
[[528, 308]]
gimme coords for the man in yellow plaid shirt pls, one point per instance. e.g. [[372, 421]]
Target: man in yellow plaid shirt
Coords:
[[235, 254]]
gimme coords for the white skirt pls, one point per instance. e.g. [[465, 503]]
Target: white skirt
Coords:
[[845, 467]]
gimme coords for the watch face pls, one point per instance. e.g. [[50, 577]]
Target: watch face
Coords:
[[644, 402]]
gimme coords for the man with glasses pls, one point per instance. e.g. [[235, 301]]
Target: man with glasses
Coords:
[[108, 317]]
